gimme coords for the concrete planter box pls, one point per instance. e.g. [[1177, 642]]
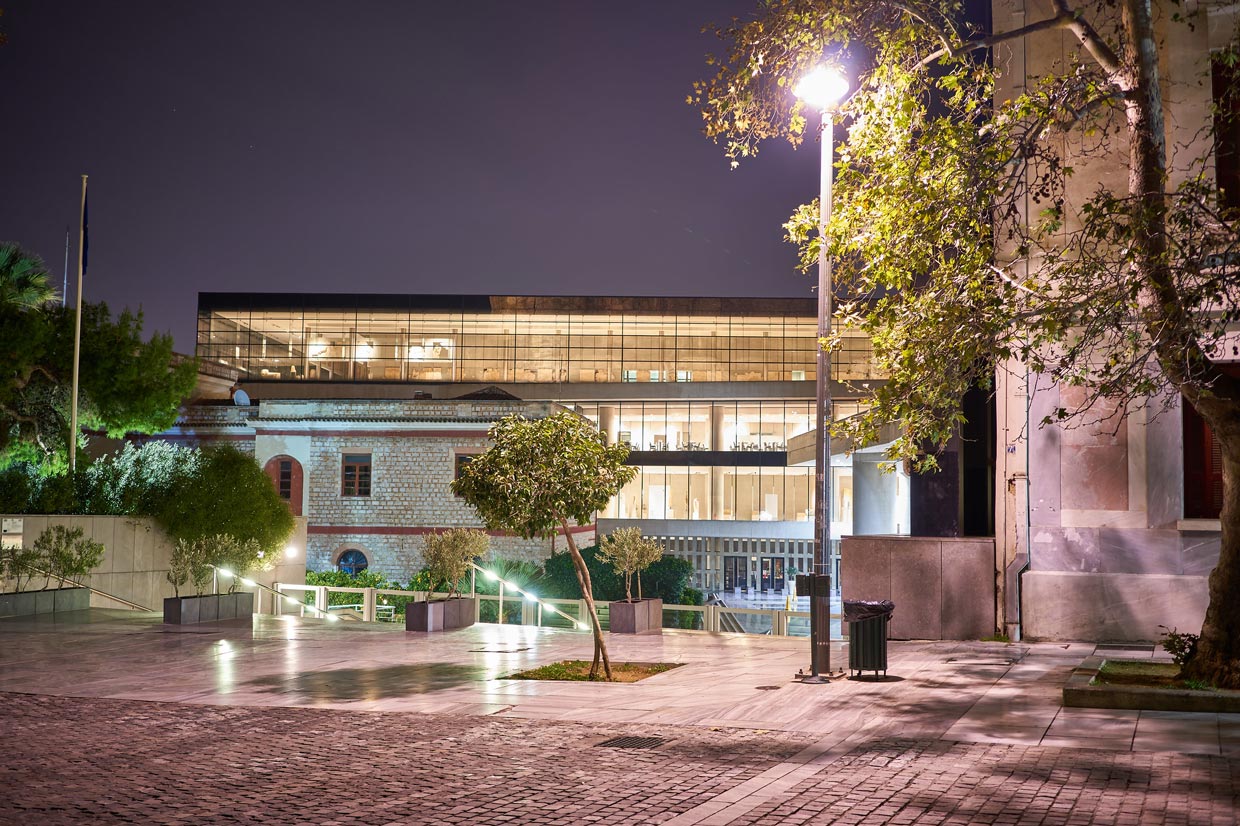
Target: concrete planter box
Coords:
[[208, 608], [641, 616], [29, 603], [441, 614], [1079, 692]]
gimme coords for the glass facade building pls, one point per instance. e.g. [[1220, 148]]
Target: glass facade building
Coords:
[[710, 394], [496, 341]]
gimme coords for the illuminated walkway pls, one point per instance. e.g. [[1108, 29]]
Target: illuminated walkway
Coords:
[[291, 720]]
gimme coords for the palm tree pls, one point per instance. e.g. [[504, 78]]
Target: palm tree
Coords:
[[23, 279]]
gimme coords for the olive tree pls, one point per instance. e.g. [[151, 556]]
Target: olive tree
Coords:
[[629, 553], [67, 553], [543, 475], [959, 244], [449, 553]]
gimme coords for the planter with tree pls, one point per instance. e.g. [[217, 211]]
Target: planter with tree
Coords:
[[629, 553], [448, 556], [196, 560], [189, 564], [60, 555], [542, 475]]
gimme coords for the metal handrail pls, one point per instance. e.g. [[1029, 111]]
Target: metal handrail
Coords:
[[75, 584], [278, 595]]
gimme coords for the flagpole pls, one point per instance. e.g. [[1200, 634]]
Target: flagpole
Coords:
[[64, 290], [77, 337]]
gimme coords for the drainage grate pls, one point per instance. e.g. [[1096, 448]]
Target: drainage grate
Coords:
[[1121, 646], [497, 650], [980, 661], [632, 743], [768, 687]]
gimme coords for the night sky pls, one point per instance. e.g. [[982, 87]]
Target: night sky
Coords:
[[511, 147]]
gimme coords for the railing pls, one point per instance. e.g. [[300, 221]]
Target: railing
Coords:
[[543, 613], [73, 583]]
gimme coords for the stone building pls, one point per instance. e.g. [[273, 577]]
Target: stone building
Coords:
[[1107, 531]]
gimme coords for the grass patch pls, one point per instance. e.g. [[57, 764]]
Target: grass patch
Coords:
[[996, 638], [580, 670], [1145, 673]]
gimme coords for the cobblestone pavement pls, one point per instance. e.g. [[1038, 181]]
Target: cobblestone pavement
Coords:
[[101, 761]]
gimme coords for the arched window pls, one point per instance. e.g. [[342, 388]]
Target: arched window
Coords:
[[286, 475], [352, 562]]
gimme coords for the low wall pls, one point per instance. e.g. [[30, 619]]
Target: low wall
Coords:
[[943, 588], [1062, 605], [137, 554]]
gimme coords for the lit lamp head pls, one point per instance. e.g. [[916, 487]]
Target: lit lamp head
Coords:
[[822, 88]]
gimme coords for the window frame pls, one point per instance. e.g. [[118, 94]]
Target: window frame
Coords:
[[362, 485]]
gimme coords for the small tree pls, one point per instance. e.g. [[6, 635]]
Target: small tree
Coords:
[[238, 556], [629, 553], [541, 475], [66, 553], [449, 553], [19, 564], [189, 562]]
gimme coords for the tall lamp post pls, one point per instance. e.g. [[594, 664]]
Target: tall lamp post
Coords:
[[823, 89]]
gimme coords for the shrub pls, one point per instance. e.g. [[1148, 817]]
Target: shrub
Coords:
[[448, 555], [1181, 647], [228, 493], [665, 579], [528, 575], [17, 485], [341, 579], [137, 480]]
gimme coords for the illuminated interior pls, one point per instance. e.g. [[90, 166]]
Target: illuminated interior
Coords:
[[494, 348]]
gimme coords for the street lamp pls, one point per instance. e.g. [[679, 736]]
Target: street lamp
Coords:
[[823, 89]]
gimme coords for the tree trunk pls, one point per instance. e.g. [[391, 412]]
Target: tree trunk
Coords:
[[1217, 661], [1215, 395], [587, 593]]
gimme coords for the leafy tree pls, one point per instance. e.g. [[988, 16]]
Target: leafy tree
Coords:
[[24, 282], [126, 385], [449, 553], [229, 494], [629, 553], [542, 475], [958, 248]]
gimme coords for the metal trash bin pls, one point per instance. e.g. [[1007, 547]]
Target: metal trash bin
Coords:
[[867, 634]]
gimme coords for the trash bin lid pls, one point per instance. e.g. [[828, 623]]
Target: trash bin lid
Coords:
[[856, 610]]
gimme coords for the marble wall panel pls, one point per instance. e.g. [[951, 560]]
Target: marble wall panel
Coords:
[[968, 578], [917, 590], [1124, 551], [1109, 607], [865, 569]]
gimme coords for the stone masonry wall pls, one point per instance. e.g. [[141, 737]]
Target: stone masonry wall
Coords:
[[410, 496]]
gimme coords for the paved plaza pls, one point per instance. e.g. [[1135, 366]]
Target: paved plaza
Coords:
[[112, 717]]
